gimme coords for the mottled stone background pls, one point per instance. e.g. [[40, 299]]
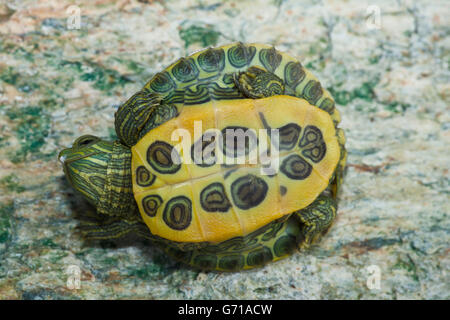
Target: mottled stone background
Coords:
[[390, 77]]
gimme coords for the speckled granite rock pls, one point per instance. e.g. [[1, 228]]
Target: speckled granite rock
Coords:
[[392, 87]]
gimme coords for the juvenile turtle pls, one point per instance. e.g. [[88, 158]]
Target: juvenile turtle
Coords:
[[199, 203]]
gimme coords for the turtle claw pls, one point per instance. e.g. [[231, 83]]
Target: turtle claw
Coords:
[[259, 83]]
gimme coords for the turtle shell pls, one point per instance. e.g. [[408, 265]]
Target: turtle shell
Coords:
[[214, 196], [211, 200]]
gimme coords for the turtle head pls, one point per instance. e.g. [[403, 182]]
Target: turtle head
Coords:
[[91, 166], [86, 165]]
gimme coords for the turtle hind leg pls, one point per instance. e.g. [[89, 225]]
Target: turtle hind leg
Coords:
[[341, 168], [316, 219], [132, 116], [257, 83]]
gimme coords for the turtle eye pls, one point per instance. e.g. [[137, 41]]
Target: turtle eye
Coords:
[[85, 140]]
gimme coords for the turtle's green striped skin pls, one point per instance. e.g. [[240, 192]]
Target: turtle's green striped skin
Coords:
[[101, 170]]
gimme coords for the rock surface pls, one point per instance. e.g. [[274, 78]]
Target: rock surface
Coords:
[[389, 74]]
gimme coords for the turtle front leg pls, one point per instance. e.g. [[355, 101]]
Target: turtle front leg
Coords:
[[144, 111], [131, 116], [112, 227], [316, 219], [258, 83]]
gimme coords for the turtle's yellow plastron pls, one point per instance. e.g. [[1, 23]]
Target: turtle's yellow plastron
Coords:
[[210, 201]]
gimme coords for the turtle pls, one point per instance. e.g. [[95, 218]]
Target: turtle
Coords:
[[205, 200]]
